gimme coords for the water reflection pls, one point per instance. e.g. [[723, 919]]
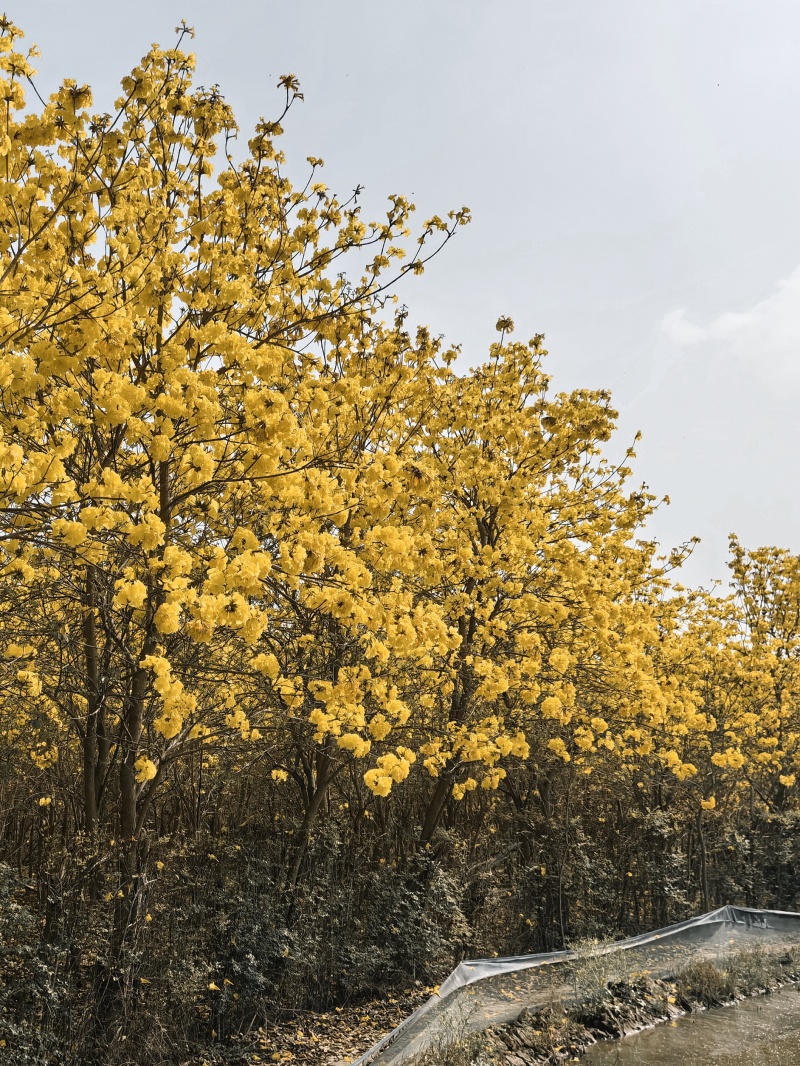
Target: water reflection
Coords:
[[763, 1031]]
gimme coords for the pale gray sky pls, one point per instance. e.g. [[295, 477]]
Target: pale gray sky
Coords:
[[633, 171]]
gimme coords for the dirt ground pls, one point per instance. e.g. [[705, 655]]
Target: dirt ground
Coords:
[[338, 1036]]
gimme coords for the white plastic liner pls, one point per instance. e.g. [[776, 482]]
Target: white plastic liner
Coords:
[[712, 934]]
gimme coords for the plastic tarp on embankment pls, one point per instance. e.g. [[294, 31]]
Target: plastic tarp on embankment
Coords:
[[480, 993]]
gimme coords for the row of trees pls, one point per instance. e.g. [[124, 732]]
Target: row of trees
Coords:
[[307, 632]]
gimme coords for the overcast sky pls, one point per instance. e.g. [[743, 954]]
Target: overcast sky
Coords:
[[633, 170]]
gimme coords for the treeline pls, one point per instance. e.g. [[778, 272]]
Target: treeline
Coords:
[[325, 662]]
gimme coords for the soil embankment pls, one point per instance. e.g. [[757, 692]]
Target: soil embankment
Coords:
[[550, 1035]]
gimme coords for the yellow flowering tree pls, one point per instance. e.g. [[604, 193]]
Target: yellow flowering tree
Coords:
[[535, 569], [765, 730], [171, 452]]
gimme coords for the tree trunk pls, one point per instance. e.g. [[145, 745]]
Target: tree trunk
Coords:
[[323, 774], [90, 753], [435, 808], [703, 864]]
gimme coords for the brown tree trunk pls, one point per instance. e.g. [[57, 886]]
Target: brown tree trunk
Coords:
[[703, 864], [90, 749], [320, 779], [434, 810]]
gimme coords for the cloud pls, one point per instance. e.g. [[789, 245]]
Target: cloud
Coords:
[[767, 334]]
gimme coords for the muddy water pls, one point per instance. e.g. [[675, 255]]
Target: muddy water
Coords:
[[763, 1031]]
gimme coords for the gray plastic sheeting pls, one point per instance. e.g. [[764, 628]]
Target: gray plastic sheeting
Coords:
[[709, 934]]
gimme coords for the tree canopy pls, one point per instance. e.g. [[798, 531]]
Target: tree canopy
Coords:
[[268, 556]]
